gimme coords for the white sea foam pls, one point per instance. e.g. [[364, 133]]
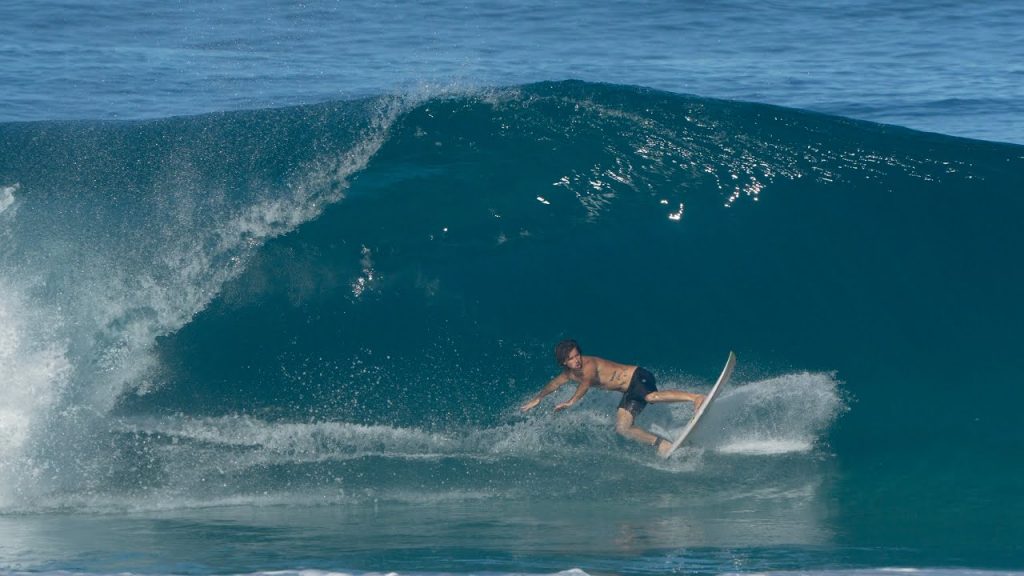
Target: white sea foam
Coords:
[[34, 371], [251, 441], [572, 572], [777, 416], [7, 197], [767, 447], [306, 572], [280, 442]]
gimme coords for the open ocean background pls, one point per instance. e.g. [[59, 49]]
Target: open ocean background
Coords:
[[275, 276]]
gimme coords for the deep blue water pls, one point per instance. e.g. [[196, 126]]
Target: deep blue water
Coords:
[[274, 279]]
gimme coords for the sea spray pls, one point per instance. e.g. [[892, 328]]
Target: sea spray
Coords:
[[95, 292], [34, 373], [777, 415], [7, 197]]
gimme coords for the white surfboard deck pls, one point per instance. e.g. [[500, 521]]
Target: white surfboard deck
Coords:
[[722, 379]]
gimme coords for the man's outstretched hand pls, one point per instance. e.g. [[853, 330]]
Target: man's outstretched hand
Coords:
[[529, 405]]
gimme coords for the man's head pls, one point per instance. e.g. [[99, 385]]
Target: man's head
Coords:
[[564, 351]]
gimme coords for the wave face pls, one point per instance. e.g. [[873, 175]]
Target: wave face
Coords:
[[349, 301]]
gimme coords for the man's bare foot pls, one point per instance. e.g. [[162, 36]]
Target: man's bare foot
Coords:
[[698, 402], [663, 446]]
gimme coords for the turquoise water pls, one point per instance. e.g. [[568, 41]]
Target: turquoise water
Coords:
[[299, 337], [293, 339]]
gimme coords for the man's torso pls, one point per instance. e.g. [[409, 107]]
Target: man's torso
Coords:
[[604, 374]]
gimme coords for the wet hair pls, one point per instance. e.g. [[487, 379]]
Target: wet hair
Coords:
[[564, 348]]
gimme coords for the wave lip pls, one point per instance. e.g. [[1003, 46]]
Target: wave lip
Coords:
[[134, 240]]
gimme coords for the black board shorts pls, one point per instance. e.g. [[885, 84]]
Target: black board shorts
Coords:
[[640, 386]]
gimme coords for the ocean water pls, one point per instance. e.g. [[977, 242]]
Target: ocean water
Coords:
[[275, 277]]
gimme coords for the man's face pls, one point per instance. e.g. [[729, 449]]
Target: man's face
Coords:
[[574, 361]]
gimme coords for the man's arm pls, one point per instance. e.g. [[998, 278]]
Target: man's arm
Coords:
[[580, 391], [551, 386]]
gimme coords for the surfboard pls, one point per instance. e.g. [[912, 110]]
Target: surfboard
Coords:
[[722, 379]]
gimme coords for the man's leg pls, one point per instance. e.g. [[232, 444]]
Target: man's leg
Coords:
[[624, 426], [675, 396]]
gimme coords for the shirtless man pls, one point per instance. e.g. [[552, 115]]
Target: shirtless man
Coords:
[[635, 383]]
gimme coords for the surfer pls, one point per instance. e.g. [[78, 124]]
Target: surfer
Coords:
[[635, 383]]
